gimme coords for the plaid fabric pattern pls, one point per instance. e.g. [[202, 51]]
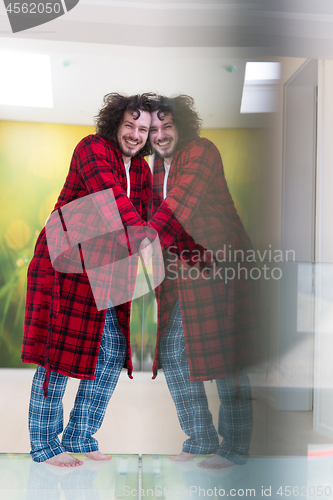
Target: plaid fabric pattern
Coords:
[[235, 414], [219, 319], [63, 328], [92, 398], [189, 397]]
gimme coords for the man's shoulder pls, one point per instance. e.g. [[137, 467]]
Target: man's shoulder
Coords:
[[97, 143], [93, 146], [95, 140], [200, 145]]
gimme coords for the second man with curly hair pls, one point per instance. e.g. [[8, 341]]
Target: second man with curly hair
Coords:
[[206, 320]]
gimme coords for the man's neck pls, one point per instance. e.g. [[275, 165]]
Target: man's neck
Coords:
[[126, 159], [168, 160]]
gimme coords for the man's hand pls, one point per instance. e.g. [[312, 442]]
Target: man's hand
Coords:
[[145, 251]]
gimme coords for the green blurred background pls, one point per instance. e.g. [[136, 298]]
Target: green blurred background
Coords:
[[34, 161]]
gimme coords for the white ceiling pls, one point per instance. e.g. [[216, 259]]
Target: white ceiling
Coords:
[[168, 47]]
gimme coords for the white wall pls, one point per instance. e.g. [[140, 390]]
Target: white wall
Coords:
[[323, 421], [271, 178]]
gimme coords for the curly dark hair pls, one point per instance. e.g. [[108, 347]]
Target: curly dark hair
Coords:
[[110, 116], [184, 116]]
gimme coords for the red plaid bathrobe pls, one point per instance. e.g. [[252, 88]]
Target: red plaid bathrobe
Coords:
[[219, 319], [63, 327]]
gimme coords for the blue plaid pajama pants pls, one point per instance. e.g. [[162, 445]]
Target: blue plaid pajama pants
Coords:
[[92, 398], [235, 415]]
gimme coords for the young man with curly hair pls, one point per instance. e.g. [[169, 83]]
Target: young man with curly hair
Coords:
[[206, 319], [65, 333]]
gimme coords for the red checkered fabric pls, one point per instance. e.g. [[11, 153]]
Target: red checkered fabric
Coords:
[[63, 327], [219, 319]]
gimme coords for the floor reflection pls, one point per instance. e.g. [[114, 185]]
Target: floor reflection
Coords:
[[261, 477], [309, 477], [22, 479]]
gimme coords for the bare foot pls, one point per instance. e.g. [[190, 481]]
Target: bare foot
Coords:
[[97, 455], [215, 462], [182, 457], [63, 460]]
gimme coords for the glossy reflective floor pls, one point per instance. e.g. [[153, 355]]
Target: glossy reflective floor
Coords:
[[155, 476], [22, 479], [274, 477]]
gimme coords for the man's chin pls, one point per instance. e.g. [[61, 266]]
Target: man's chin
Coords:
[[131, 152], [164, 154]]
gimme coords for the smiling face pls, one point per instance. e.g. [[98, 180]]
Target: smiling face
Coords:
[[164, 136], [132, 134]]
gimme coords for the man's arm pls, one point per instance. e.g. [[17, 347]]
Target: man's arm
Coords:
[[183, 200]]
